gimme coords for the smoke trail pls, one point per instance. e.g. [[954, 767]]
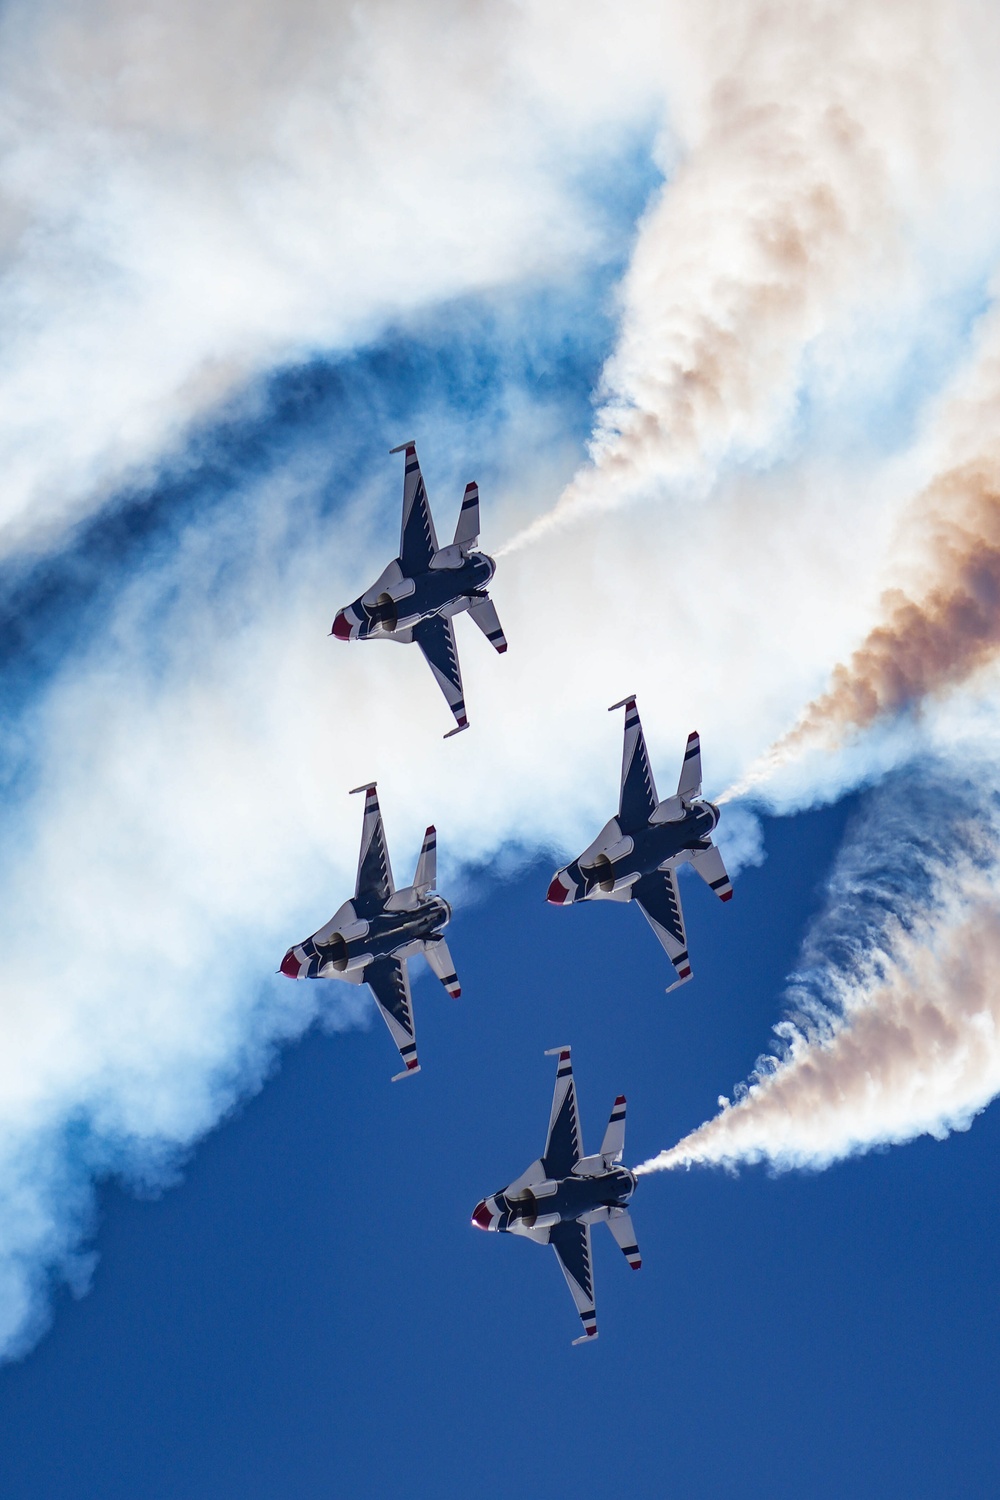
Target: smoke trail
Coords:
[[812, 122], [894, 1029], [935, 635]]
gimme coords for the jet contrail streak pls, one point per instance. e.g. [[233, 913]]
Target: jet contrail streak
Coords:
[[791, 166], [935, 635], [904, 1042]]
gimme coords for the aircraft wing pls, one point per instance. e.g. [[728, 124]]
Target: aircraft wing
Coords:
[[417, 540], [571, 1242], [638, 791], [659, 899], [389, 981], [374, 870], [562, 1144], [436, 639]]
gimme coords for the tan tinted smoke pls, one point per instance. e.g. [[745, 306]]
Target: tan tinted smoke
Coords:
[[916, 1050], [814, 124]]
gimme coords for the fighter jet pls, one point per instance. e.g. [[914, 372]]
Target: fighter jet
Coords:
[[423, 588], [370, 938], [635, 856], [558, 1198]]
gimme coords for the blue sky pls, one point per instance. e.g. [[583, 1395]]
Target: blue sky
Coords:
[[311, 1312], [707, 308]]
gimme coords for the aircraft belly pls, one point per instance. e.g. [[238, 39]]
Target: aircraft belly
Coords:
[[442, 593]]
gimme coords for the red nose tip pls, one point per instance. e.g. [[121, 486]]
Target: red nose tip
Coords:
[[290, 964], [482, 1218], [342, 627], [557, 892]]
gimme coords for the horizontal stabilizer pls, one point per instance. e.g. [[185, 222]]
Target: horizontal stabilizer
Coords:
[[620, 1224], [689, 783], [484, 612], [467, 530], [439, 959], [426, 875], [613, 1144], [708, 862]]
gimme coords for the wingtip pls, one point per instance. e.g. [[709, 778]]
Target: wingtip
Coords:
[[586, 1338], [406, 1073], [369, 786], [457, 730], [628, 702], [403, 447]]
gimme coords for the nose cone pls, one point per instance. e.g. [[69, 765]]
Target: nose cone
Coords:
[[482, 1218], [290, 965], [559, 892], [342, 627]]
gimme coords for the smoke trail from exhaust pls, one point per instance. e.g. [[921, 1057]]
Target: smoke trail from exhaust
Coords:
[[936, 634], [793, 173], [894, 1024]]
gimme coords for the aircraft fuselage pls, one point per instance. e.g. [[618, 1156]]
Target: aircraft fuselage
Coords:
[[550, 1202], [630, 857], [354, 938], [405, 601]]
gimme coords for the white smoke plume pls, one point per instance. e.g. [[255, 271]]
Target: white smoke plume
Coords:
[[809, 155], [189, 196], [939, 624], [894, 1023]]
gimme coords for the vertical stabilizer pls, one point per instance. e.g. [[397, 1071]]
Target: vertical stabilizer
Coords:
[[467, 530], [426, 874], [613, 1144], [689, 781]]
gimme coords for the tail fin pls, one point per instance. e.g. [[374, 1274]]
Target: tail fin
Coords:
[[426, 875], [467, 530], [620, 1223], [708, 863], [613, 1144], [437, 955], [689, 783], [483, 611]]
